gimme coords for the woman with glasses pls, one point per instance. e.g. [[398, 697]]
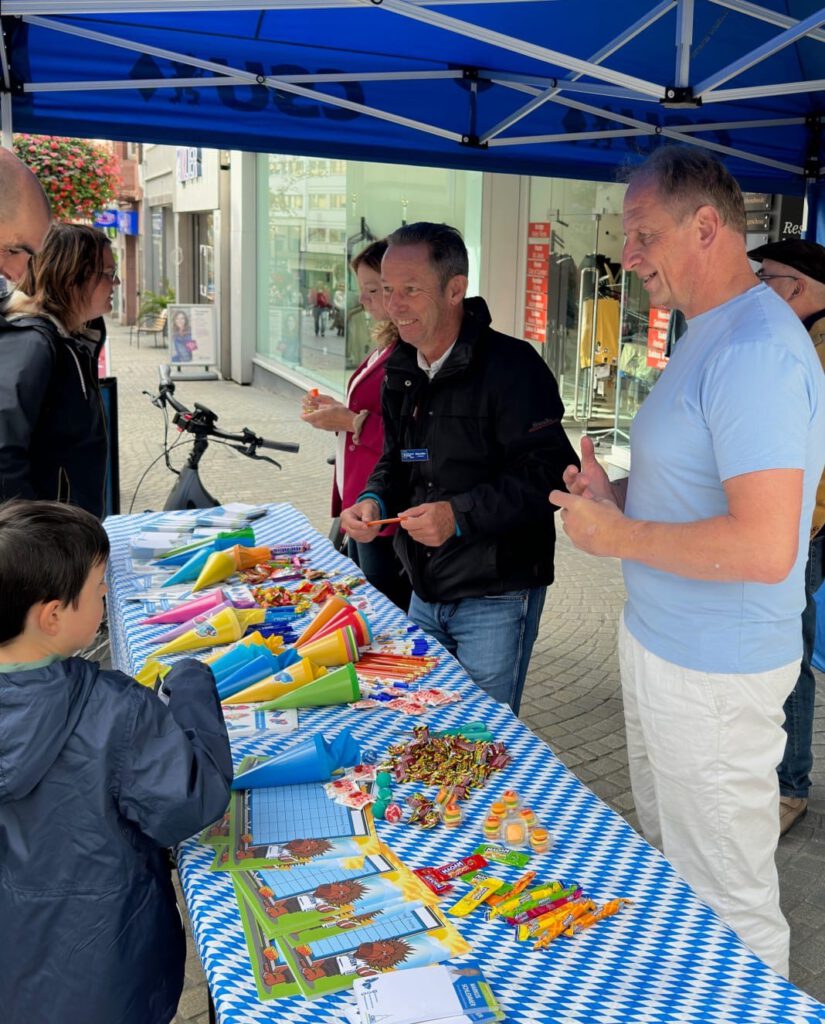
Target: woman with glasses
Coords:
[[53, 437]]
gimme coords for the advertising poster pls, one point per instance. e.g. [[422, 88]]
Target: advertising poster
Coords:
[[192, 335]]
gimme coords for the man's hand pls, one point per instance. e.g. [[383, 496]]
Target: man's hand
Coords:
[[595, 525], [355, 518], [591, 480], [429, 524]]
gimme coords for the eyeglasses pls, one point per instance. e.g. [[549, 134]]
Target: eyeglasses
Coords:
[[774, 277]]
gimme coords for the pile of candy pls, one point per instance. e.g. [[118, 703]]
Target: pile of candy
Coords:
[[446, 760]]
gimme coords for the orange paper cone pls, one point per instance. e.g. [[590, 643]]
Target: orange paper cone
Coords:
[[348, 617], [248, 558], [330, 607]]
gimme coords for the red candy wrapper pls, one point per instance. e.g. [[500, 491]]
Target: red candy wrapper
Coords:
[[426, 876], [446, 872]]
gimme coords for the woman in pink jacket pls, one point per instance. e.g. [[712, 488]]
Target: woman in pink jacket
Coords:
[[360, 430]]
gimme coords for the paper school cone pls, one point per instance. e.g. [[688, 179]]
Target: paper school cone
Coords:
[[307, 761], [183, 627], [253, 639], [222, 628], [253, 671], [223, 540], [348, 617], [338, 687], [151, 671], [303, 670], [333, 649], [190, 570], [313, 759], [267, 689], [248, 558], [330, 607], [188, 609], [218, 566]]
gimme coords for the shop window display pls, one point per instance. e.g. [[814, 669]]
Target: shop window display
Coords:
[[316, 215]]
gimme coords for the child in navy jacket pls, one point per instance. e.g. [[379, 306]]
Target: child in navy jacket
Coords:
[[97, 777]]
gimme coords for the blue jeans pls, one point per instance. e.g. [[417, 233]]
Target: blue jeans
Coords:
[[795, 768], [492, 637]]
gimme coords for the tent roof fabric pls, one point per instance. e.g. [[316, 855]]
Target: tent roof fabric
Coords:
[[548, 87]]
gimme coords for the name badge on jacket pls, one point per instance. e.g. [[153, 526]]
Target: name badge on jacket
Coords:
[[415, 454]]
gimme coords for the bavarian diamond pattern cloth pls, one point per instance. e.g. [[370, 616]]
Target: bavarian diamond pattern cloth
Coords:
[[667, 959]]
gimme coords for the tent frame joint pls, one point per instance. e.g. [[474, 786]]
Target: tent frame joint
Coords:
[[473, 142], [680, 96], [813, 161]]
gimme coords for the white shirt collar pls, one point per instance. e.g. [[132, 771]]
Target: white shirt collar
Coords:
[[431, 369]]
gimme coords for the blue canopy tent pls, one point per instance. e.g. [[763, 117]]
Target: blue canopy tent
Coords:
[[548, 87]]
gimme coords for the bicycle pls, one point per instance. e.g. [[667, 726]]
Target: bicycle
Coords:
[[188, 491]]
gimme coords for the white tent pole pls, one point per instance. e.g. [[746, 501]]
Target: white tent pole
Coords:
[[606, 51], [25, 8], [755, 91], [5, 120], [217, 81], [760, 53], [762, 14], [6, 137], [647, 129], [515, 45], [684, 41]]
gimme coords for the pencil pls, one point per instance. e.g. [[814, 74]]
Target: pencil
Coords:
[[384, 522]]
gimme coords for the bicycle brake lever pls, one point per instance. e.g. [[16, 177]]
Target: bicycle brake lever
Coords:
[[250, 452]]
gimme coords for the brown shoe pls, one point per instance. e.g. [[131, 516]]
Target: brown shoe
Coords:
[[791, 810]]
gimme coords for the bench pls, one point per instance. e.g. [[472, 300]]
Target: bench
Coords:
[[155, 326]]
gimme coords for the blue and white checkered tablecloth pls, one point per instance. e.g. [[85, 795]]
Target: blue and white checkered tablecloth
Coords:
[[667, 958]]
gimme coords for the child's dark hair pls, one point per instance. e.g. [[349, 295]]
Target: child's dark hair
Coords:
[[47, 551]]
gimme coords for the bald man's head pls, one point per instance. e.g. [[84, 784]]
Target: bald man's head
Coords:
[[24, 216]]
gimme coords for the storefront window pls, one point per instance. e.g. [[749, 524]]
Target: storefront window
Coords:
[[316, 215]]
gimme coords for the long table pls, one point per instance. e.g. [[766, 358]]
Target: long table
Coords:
[[667, 958]]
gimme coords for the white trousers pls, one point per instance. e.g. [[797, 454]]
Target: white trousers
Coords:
[[703, 751]]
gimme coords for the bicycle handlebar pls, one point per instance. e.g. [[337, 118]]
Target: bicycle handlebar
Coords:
[[202, 421]]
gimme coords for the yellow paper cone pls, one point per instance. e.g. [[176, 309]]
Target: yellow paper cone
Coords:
[[328, 650], [219, 566], [304, 671], [338, 687], [265, 689], [151, 672], [222, 628]]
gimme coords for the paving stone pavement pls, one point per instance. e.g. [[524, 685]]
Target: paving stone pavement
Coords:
[[571, 698]]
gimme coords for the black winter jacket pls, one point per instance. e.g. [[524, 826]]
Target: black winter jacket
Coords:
[[53, 437], [97, 777], [490, 422]]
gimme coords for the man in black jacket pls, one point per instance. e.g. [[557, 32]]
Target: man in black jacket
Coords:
[[474, 443]]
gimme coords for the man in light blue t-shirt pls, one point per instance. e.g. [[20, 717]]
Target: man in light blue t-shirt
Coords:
[[712, 528]]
